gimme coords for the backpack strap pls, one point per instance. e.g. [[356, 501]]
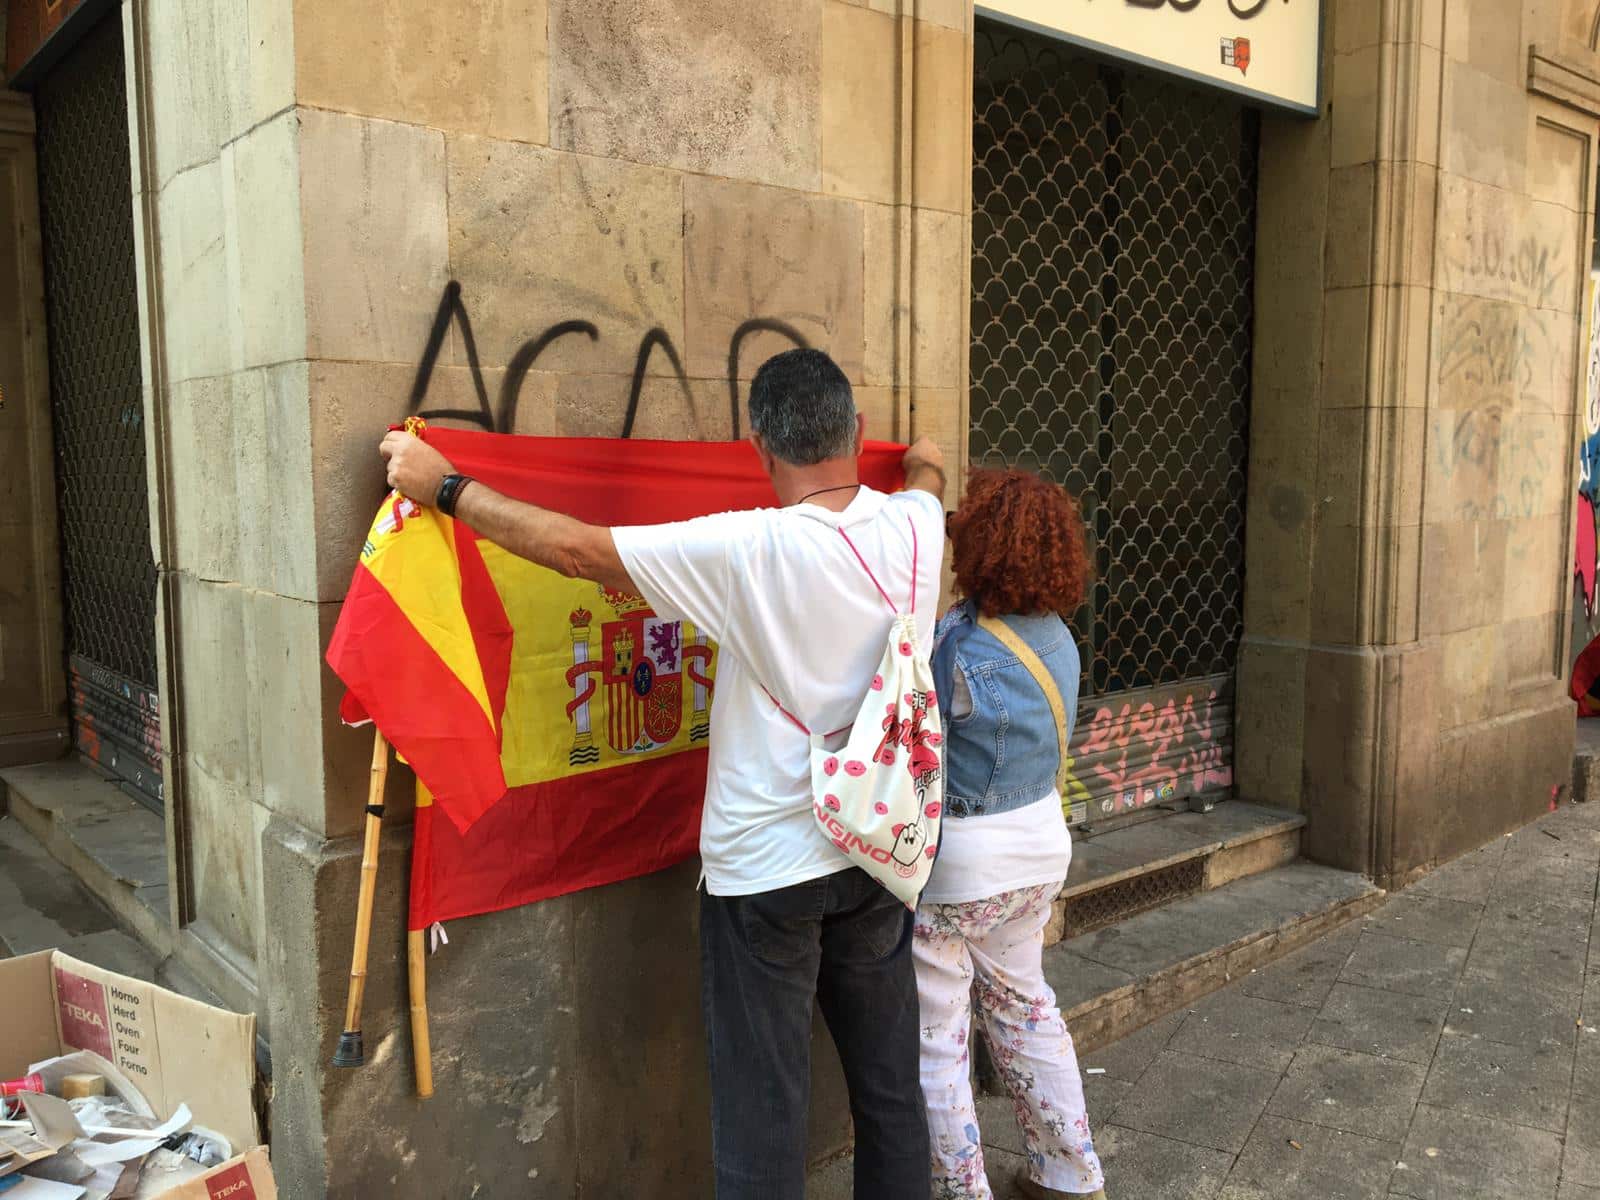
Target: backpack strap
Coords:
[[1008, 638], [794, 720], [914, 551], [798, 723], [913, 527]]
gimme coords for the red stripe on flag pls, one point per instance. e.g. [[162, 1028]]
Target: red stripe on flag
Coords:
[[548, 839], [609, 482], [400, 681], [492, 633]]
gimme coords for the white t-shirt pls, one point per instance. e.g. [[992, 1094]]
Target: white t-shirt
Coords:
[[983, 856], [790, 608]]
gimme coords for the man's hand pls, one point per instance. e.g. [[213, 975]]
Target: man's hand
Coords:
[[563, 544], [924, 466], [415, 468]]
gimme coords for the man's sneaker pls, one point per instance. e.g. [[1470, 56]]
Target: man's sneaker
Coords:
[[1034, 1190]]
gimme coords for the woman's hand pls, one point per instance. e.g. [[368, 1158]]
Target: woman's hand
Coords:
[[415, 468]]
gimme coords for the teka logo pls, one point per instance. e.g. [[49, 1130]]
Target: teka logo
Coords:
[[82, 1014], [232, 1184], [85, 1020], [1236, 53]]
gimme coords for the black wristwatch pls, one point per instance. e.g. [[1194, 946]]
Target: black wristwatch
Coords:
[[449, 491]]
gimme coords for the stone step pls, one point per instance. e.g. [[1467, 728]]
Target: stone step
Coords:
[[115, 846], [1129, 869], [109, 851], [1116, 979], [44, 907]]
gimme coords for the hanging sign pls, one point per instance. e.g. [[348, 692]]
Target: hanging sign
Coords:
[[30, 24], [1264, 49]]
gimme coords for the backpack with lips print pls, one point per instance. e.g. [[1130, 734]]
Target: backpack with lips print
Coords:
[[878, 796]]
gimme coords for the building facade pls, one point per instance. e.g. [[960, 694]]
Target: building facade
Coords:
[[1318, 379]]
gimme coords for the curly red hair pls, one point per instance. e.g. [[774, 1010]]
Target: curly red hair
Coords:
[[1019, 545]]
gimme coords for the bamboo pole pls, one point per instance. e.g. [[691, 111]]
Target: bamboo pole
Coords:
[[349, 1052], [417, 968]]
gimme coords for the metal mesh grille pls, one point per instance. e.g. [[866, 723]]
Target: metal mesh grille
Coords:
[[1107, 905], [1113, 235], [86, 219]]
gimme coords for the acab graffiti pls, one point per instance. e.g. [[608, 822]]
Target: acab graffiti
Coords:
[[501, 416]]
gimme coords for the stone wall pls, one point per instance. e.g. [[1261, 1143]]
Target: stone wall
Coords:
[[703, 184], [1411, 484], [212, 127]]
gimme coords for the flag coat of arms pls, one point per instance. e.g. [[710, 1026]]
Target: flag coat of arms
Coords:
[[557, 728]]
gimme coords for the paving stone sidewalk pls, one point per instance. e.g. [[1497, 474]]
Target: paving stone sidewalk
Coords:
[[1445, 1047]]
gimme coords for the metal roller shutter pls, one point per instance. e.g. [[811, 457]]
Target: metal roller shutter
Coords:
[[1113, 243]]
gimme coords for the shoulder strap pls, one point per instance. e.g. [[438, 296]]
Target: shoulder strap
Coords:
[[886, 598], [1007, 637]]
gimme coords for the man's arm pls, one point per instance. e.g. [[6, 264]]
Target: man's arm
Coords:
[[924, 467], [551, 539], [565, 544]]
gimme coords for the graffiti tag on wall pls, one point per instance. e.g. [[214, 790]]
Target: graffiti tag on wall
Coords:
[[1518, 455], [1167, 744], [501, 417]]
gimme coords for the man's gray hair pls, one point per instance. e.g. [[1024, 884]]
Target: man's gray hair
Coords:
[[802, 406]]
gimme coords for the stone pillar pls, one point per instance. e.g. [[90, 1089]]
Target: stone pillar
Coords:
[[213, 136], [1423, 250]]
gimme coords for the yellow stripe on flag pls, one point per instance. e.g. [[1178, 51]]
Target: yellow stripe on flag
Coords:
[[626, 671], [425, 582]]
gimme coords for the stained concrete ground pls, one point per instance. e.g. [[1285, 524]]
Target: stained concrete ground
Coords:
[[44, 907], [1445, 1047]]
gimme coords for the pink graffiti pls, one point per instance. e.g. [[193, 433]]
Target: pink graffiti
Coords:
[[1206, 768], [1172, 744]]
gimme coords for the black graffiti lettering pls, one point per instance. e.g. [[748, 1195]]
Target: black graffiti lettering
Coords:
[[652, 339], [1242, 9], [502, 417], [451, 309], [522, 362], [753, 325]]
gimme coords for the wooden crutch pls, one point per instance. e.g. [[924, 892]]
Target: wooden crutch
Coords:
[[349, 1053], [417, 964]]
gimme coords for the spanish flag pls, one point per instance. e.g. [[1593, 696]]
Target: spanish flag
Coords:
[[560, 727]]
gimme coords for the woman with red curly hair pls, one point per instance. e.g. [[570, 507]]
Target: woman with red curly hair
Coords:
[[1005, 669]]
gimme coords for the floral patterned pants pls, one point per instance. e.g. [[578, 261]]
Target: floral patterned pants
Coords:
[[991, 950]]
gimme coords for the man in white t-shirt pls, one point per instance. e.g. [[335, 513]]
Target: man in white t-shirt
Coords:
[[786, 920]]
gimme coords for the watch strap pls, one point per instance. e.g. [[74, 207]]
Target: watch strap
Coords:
[[449, 492]]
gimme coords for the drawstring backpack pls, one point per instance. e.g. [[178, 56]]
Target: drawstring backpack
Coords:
[[879, 796]]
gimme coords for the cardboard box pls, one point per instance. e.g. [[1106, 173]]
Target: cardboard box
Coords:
[[247, 1177], [173, 1049]]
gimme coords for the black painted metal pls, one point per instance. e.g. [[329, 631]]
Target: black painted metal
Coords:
[[1129, 897], [97, 410], [1113, 240]]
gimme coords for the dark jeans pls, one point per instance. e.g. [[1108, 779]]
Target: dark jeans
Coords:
[[847, 942]]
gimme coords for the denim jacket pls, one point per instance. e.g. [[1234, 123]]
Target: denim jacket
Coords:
[[1003, 754]]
